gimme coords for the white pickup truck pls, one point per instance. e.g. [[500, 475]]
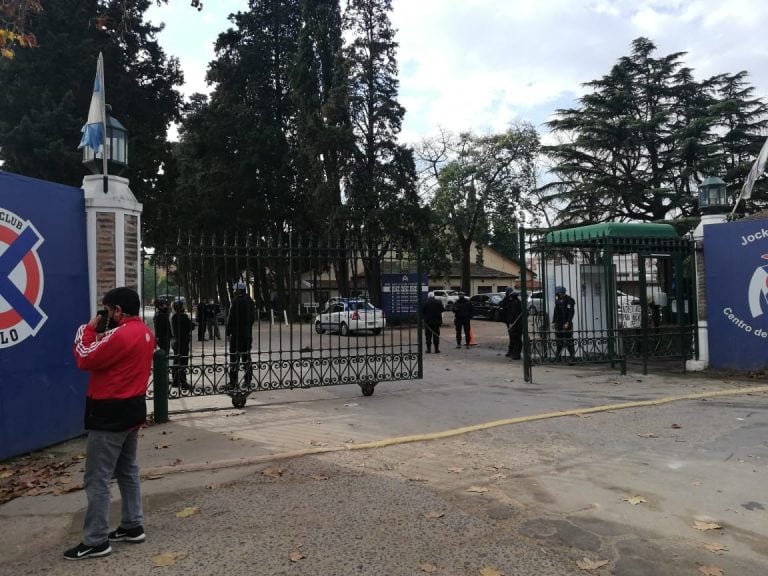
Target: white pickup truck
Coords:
[[447, 297]]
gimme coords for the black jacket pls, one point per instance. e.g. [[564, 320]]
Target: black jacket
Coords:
[[182, 332], [162, 324], [241, 319], [513, 313], [565, 307], [462, 309], [432, 312]]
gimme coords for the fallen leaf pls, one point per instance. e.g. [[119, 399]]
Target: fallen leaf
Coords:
[[155, 476], [715, 548], [490, 572], [187, 512], [648, 435], [296, 556], [272, 472], [166, 559], [588, 564], [417, 479], [455, 470], [498, 476], [318, 477], [428, 568], [160, 446], [7, 474], [434, 514], [706, 526], [676, 426], [711, 570], [696, 483], [477, 489], [78, 457], [634, 500], [316, 443], [350, 441]]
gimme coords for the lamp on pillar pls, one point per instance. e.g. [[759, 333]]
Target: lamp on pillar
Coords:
[[713, 205], [116, 146], [713, 197]]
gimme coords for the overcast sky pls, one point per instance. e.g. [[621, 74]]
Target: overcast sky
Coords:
[[481, 64]]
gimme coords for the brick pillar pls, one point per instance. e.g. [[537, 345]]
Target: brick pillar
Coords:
[[114, 237]]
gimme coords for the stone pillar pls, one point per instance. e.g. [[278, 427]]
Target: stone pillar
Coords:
[[114, 237], [701, 293]]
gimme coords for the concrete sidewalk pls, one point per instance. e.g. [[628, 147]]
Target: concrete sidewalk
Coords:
[[208, 444]]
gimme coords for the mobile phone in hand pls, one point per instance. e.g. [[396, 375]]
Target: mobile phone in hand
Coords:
[[101, 325]]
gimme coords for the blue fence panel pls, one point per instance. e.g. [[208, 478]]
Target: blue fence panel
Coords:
[[43, 299], [736, 264]]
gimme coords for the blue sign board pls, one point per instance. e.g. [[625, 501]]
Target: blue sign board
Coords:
[[43, 299], [736, 264], [400, 294]]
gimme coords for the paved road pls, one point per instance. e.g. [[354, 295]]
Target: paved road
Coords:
[[529, 498]]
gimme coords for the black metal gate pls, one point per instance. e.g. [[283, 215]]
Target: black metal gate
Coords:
[[633, 291], [323, 313]]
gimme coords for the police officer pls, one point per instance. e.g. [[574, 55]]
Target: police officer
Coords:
[[432, 312], [562, 318]]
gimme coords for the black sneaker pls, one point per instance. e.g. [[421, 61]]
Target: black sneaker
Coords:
[[81, 551], [132, 535]]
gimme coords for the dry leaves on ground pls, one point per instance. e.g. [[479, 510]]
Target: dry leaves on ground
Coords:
[[589, 564], [434, 514], [272, 472], [706, 526], [187, 512], [296, 555], [634, 500], [167, 559], [488, 571], [316, 443], [428, 568], [34, 475], [676, 426], [715, 548], [477, 489], [455, 470], [318, 477], [711, 570], [648, 435]]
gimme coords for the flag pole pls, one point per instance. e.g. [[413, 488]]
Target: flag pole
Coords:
[[104, 124]]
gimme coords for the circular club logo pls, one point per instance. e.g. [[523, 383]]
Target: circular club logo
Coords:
[[21, 280]]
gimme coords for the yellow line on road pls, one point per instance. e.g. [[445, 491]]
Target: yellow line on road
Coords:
[[248, 461]]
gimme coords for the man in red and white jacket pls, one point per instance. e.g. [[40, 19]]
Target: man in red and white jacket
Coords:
[[119, 360]]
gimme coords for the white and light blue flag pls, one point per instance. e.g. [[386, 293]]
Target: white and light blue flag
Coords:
[[95, 128]]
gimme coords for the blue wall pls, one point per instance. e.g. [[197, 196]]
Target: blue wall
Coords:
[[42, 393], [736, 264]]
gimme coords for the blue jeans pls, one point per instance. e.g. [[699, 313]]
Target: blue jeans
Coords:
[[108, 454]]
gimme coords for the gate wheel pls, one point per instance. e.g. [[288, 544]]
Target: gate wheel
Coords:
[[238, 400], [367, 388]]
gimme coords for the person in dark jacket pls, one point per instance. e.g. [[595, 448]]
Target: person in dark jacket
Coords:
[[562, 318], [120, 361], [181, 326], [212, 311], [513, 316], [462, 311], [432, 313], [162, 324], [240, 335], [201, 312]]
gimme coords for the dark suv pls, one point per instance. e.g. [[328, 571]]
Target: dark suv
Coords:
[[487, 305]]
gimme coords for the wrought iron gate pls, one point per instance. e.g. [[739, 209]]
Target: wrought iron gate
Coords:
[[325, 312], [633, 291]]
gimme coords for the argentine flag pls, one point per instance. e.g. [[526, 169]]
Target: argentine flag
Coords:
[[94, 129]]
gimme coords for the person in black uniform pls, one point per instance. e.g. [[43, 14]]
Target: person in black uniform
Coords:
[[562, 318], [240, 335], [462, 311], [513, 316], [182, 341], [432, 312], [162, 324], [200, 314]]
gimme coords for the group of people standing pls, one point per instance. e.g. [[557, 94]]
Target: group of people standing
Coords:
[[511, 314]]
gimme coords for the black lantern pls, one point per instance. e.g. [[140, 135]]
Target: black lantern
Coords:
[[713, 198], [117, 149]]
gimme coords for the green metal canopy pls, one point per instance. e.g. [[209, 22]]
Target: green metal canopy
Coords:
[[611, 230]]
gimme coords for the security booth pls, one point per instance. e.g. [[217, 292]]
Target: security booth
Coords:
[[610, 293]]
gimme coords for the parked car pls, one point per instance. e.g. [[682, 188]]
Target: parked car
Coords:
[[487, 305], [348, 315], [447, 297]]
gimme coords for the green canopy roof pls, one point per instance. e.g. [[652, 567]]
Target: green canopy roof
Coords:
[[612, 230]]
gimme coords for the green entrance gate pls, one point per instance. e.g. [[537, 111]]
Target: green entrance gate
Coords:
[[324, 313], [634, 291]]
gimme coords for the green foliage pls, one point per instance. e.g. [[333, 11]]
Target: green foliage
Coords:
[[47, 91], [646, 135]]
